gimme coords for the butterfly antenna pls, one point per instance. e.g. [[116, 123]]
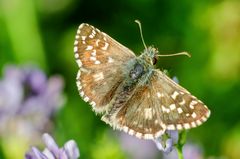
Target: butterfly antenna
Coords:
[[176, 54], [140, 28]]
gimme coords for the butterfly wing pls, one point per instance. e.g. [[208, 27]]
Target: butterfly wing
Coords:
[[101, 60], [180, 110], [159, 105]]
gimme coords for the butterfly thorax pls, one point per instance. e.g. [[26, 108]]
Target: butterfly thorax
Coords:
[[141, 67]]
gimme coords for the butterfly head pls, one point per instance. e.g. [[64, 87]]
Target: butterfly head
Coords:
[[150, 55]]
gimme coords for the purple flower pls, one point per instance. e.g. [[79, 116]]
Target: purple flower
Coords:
[[166, 142], [138, 148], [27, 100], [141, 149], [190, 151], [52, 151]]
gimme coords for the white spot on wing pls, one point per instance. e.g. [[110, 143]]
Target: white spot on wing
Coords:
[[148, 136], [104, 38], [186, 126], [94, 53], [164, 126], [81, 26], [79, 63], [191, 106], [179, 127], [164, 109], [171, 127], [198, 122], [159, 94], [91, 36], [148, 113], [81, 93], [182, 102], [93, 58], [97, 62], [174, 95], [172, 106], [86, 99], [93, 103], [75, 49], [193, 124], [89, 47], [110, 60], [78, 74], [179, 110], [105, 46], [98, 76], [83, 69], [131, 132], [97, 42], [83, 38], [75, 42], [76, 55], [79, 85], [208, 113], [77, 37], [193, 102], [125, 129], [194, 115], [204, 118], [139, 135]]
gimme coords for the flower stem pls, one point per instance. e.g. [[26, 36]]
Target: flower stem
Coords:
[[180, 144], [179, 152]]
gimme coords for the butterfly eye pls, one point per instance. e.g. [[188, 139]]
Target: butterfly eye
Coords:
[[155, 59]]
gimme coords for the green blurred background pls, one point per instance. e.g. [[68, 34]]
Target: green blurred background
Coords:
[[42, 32]]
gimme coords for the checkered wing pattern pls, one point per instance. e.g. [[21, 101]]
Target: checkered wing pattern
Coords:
[[158, 106], [101, 60]]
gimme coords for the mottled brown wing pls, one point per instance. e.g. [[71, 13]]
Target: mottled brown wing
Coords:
[[159, 105], [180, 110], [137, 117], [101, 60]]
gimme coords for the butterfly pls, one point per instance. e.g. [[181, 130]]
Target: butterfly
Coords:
[[129, 91]]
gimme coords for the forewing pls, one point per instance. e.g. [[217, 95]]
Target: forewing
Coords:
[[159, 105], [101, 60]]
